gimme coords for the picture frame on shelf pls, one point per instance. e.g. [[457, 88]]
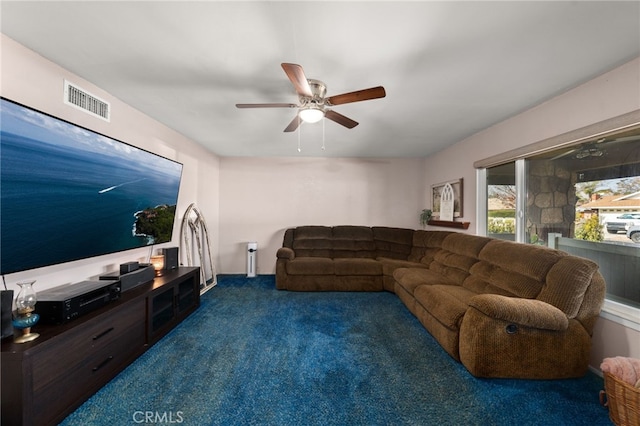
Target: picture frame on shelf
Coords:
[[436, 197]]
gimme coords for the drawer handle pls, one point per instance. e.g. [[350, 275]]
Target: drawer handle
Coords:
[[102, 364], [104, 333]]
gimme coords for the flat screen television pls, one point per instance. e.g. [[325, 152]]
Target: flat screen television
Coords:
[[69, 193]]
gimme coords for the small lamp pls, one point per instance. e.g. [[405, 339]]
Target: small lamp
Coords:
[[24, 318], [311, 114], [158, 263]]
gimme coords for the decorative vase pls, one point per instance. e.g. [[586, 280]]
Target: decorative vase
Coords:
[[24, 318]]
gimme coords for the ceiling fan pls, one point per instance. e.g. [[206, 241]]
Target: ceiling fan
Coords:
[[596, 148], [313, 105], [586, 150]]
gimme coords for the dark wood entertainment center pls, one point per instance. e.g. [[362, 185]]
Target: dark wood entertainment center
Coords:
[[45, 380]]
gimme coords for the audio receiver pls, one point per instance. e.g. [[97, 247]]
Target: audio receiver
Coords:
[[64, 303]]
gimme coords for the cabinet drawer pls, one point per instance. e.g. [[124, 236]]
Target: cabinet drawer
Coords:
[[85, 376], [54, 363]]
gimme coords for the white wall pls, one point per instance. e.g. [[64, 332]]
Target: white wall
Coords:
[[32, 80], [610, 95], [261, 197]]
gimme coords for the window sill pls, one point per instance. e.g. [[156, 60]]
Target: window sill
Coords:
[[621, 314]]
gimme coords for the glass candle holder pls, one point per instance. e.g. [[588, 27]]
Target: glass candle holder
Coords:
[[158, 263], [24, 316]]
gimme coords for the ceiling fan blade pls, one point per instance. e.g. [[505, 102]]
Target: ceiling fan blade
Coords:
[[299, 80], [266, 106], [340, 119], [294, 124], [564, 154], [357, 96]]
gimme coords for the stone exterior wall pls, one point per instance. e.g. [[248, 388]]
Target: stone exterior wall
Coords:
[[551, 200]]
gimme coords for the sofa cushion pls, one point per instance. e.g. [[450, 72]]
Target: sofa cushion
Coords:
[[465, 244], [458, 254], [527, 259], [512, 269], [357, 267], [353, 241], [410, 278], [447, 303], [401, 236], [489, 278], [390, 265], [312, 244], [348, 248], [567, 283], [454, 262], [314, 253], [394, 243], [310, 266], [314, 241], [323, 232], [351, 232], [429, 255], [426, 244]]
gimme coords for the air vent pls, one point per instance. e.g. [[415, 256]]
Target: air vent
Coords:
[[79, 98]]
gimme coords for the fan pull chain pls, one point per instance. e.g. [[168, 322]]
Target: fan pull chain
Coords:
[[323, 121], [299, 130]]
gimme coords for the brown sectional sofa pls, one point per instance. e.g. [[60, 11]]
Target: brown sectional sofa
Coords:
[[502, 309]]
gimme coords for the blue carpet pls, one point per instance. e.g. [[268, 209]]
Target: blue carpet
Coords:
[[253, 355]]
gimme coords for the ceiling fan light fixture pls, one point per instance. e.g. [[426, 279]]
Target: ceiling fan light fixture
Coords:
[[313, 105], [311, 114], [589, 152]]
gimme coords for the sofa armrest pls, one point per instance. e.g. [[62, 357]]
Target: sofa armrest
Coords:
[[526, 312], [285, 253]]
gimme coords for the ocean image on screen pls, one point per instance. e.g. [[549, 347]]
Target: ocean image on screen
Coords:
[[67, 193]]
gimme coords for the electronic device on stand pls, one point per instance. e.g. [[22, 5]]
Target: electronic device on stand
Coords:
[[67, 302], [131, 275]]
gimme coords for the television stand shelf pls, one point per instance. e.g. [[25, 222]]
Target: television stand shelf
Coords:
[[45, 380]]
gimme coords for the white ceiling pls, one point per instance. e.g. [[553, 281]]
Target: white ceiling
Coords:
[[450, 68]]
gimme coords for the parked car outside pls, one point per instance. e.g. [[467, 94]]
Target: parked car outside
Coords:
[[634, 233], [622, 223]]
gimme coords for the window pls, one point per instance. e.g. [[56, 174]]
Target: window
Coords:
[[581, 198], [501, 201]]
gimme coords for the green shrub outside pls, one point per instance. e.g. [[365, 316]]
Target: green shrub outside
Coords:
[[501, 225], [590, 230]]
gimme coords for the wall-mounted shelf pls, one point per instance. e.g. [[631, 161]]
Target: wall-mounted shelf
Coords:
[[448, 224]]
